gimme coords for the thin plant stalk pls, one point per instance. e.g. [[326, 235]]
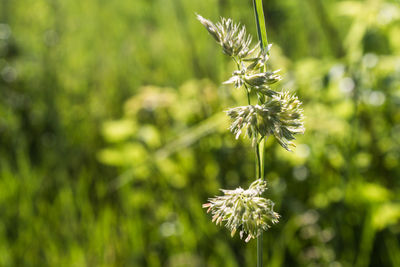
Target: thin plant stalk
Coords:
[[262, 37], [259, 250], [260, 175]]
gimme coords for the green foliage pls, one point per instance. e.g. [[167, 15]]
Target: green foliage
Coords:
[[110, 138]]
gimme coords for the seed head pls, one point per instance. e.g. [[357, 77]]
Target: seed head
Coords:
[[232, 37], [243, 210], [281, 115]]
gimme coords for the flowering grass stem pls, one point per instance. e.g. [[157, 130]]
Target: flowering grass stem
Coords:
[[275, 113], [260, 165], [262, 36]]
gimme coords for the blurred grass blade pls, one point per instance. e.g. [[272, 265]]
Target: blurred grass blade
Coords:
[[260, 21], [186, 139]]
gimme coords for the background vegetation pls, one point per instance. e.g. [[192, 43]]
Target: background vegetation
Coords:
[[112, 134]]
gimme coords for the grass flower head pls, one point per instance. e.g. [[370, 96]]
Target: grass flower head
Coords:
[[242, 210]]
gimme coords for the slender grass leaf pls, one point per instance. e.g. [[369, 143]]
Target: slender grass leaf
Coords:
[[260, 21]]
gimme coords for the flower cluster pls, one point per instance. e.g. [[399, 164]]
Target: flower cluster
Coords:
[[243, 210], [233, 38], [281, 116], [276, 113]]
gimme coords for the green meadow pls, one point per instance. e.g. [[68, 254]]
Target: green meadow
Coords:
[[113, 135]]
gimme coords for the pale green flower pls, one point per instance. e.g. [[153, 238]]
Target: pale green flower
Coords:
[[277, 113], [243, 210], [281, 115], [232, 37]]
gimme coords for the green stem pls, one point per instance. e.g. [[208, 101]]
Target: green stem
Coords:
[[262, 37], [260, 175], [258, 157], [367, 242], [259, 250]]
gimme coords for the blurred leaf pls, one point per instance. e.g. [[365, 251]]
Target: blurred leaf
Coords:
[[117, 131], [126, 155], [369, 193], [386, 215]]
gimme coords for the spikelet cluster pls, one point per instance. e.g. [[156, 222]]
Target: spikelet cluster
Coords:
[[276, 113], [232, 37], [243, 211], [281, 116]]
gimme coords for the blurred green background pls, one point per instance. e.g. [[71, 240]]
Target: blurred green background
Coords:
[[112, 134]]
